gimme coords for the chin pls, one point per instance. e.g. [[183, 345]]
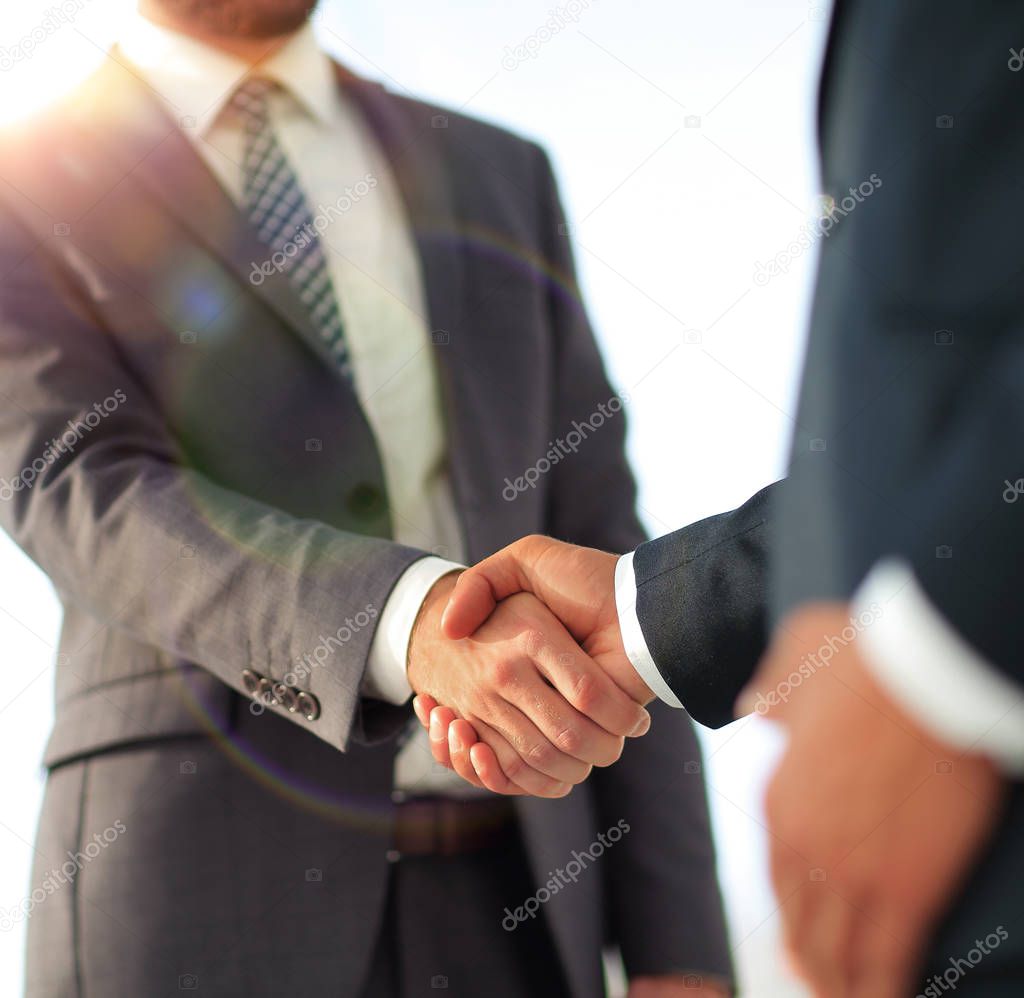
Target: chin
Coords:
[[235, 18]]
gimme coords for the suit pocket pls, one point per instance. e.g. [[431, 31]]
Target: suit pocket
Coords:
[[184, 700]]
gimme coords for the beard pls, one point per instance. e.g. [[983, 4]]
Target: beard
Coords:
[[236, 18]]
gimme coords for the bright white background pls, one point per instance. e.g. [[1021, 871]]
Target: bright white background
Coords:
[[669, 223]]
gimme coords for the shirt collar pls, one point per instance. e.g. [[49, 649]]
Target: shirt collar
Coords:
[[196, 80]]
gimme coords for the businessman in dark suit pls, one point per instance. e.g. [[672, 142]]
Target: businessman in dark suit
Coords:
[[260, 380], [895, 558]]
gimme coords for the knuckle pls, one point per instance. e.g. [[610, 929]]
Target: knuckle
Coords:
[[540, 755], [569, 740], [504, 674], [586, 693], [532, 641], [513, 767]]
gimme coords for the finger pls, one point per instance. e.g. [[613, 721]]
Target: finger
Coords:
[[530, 743], [489, 771], [440, 719], [588, 688], [461, 737], [563, 726], [480, 588], [422, 705], [518, 772], [471, 602]]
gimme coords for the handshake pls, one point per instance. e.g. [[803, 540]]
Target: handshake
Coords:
[[520, 672]]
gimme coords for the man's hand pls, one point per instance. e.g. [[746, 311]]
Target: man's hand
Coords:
[[874, 823], [541, 706], [578, 586]]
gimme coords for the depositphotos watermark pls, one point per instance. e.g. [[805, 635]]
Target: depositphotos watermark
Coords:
[[821, 659], [61, 876], [529, 47], [564, 446], [309, 233], [949, 979], [811, 232], [563, 876], [54, 17], [327, 645], [64, 444]]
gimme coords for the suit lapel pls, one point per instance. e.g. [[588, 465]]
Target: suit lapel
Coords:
[[149, 145], [152, 148]]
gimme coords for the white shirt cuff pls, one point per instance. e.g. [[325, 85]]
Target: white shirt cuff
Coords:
[[385, 677], [632, 635], [914, 654]]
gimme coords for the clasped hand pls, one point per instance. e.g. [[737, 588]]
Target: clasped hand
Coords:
[[535, 685]]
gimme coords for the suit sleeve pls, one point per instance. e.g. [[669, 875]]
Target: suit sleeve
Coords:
[[127, 531], [914, 377], [701, 604]]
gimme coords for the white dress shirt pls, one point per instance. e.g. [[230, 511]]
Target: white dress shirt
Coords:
[[912, 652], [375, 270]]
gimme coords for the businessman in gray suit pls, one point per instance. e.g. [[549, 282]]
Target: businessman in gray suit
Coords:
[[276, 347]]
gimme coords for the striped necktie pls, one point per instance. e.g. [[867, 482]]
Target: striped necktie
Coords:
[[279, 212]]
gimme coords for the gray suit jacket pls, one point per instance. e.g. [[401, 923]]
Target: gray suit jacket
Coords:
[[224, 508]]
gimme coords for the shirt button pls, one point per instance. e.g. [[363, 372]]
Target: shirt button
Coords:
[[365, 501], [393, 855]]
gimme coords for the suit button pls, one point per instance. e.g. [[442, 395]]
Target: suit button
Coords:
[[265, 691], [286, 696], [250, 681], [308, 706], [365, 501]]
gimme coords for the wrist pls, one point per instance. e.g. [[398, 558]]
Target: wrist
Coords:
[[426, 629]]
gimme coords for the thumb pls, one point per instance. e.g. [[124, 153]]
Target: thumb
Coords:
[[479, 590], [471, 602]]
